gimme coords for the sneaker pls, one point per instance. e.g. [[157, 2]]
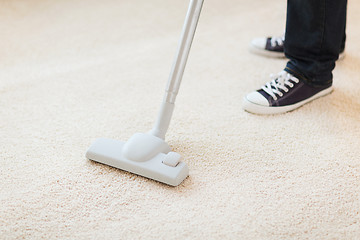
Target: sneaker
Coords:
[[269, 47], [274, 47], [282, 94]]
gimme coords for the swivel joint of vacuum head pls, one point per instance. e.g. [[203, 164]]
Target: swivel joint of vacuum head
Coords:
[[142, 147]]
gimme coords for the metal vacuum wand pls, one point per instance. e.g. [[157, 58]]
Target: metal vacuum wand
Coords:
[[167, 107]]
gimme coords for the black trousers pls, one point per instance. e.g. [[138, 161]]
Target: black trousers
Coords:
[[315, 34]]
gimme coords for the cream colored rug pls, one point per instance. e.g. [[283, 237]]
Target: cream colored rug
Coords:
[[74, 70]]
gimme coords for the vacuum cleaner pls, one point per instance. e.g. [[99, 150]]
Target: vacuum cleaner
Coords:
[[147, 154]]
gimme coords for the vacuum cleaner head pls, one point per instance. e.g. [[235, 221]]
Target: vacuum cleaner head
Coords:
[[148, 154], [143, 154]]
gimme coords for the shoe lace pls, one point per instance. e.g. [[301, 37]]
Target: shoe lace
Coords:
[[282, 81], [277, 41]]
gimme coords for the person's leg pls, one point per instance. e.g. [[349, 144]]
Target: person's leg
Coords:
[[314, 36], [274, 46]]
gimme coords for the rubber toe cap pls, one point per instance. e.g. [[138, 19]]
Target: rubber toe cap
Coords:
[[257, 98], [259, 43]]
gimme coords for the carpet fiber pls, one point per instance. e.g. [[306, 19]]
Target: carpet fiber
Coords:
[[74, 70]]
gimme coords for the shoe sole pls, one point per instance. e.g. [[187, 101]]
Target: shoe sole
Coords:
[[266, 53], [266, 110]]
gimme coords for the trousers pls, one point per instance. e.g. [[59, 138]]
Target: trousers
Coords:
[[315, 34]]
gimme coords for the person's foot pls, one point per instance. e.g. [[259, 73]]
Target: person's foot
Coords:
[[282, 94], [268, 47], [274, 47]]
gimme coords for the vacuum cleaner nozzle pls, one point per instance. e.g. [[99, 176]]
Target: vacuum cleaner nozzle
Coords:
[[144, 155]]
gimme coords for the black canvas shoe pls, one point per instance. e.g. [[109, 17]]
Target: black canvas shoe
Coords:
[[282, 94], [274, 47], [269, 47]]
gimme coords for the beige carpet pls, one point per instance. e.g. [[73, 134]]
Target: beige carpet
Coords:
[[75, 70]]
